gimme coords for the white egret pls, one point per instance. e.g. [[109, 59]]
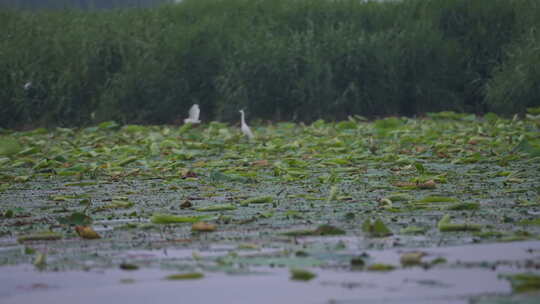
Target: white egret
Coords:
[[28, 86], [194, 113], [245, 128]]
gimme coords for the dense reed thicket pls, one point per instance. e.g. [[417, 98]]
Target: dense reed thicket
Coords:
[[279, 59], [79, 4]]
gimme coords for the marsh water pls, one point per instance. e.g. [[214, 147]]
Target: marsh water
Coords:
[[473, 273]]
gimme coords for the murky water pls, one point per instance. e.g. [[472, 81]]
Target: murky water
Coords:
[[471, 271]]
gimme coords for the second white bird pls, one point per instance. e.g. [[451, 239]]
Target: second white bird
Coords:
[[245, 128]]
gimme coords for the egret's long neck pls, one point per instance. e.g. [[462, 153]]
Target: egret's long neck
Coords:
[[242, 115]]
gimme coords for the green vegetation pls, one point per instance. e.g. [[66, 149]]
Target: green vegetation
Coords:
[[256, 200], [376, 229], [222, 207], [40, 236], [446, 225], [82, 4], [204, 202], [524, 282], [381, 267], [185, 276], [280, 59], [172, 219], [302, 275], [323, 230]]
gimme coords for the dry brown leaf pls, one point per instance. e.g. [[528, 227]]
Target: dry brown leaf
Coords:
[[260, 163], [412, 258], [86, 232], [199, 164], [186, 204], [430, 184], [442, 154], [188, 174], [203, 227], [420, 149]]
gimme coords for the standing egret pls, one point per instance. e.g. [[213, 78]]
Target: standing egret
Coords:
[[245, 128], [194, 112]]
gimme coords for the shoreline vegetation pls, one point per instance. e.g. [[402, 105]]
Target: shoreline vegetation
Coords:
[[283, 60]]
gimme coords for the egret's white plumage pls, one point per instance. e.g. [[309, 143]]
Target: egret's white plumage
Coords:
[[245, 128], [194, 113], [28, 86]]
